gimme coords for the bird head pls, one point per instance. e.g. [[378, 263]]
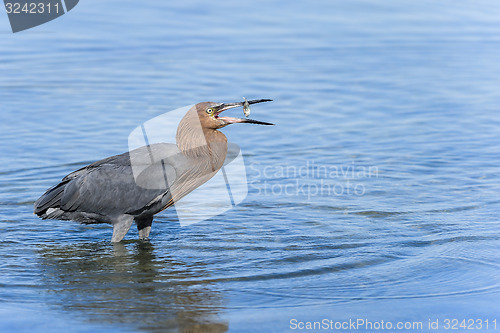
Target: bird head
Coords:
[[210, 117], [197, 130]]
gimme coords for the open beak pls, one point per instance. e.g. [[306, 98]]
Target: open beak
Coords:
[[230, 120]]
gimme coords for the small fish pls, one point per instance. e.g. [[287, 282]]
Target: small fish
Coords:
[[246, 108]]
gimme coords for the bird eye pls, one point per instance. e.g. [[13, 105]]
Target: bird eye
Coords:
[[210, 111]]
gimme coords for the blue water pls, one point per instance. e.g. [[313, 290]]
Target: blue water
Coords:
[[375, 197]]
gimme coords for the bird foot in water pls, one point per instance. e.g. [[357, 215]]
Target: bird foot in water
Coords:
[[120, 228], [144, 233]]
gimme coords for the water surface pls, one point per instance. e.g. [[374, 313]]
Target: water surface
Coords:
[[376, 196]]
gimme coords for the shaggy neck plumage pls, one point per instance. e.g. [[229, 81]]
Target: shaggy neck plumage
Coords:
[[209, 146]]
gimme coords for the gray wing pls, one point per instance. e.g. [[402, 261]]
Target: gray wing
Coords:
[[130, 183]]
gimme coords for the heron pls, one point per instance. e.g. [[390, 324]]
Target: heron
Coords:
[[136, 185]]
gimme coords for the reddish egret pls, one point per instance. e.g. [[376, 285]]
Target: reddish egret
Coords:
[[109, 191]]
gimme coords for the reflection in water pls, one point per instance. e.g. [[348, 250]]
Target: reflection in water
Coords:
[[128, 284]]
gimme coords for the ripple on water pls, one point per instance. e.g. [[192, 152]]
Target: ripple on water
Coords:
[[375, 280]]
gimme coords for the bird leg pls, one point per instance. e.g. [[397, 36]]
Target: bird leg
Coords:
[[144, 233], [144, 227], [121, 227]]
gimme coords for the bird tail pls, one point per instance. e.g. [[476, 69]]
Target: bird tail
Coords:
[[50, 199]]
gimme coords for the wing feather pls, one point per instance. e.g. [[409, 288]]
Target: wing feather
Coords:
[[130, 182]]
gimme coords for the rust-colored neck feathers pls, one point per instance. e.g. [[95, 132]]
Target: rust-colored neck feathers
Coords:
[[198, 141]]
